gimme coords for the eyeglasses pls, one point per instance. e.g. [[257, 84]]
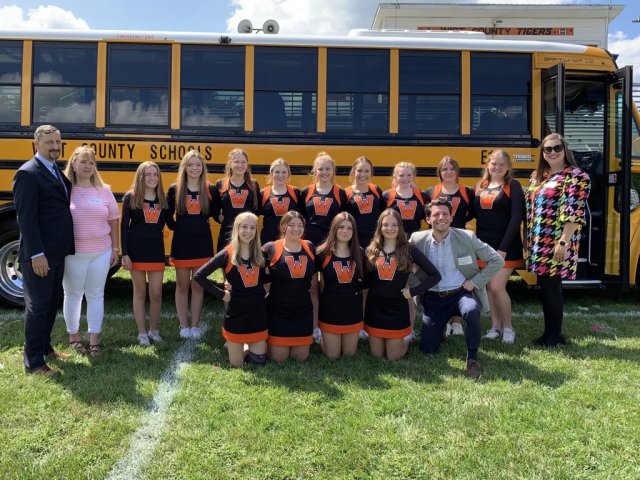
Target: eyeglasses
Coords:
[[556, 148]]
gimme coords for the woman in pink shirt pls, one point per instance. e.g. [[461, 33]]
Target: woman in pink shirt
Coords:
[[95, 231]]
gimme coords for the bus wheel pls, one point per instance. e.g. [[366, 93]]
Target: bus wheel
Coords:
[[10, 275]]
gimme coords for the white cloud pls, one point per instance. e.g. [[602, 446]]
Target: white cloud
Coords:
[[14, 17], [628, 50]]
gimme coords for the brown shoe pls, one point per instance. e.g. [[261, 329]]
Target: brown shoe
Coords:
[[44, 371], [473, 369], [58, 356]]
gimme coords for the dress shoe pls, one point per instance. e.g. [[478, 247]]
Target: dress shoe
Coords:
[[44, 371], [58, 355], [473, 369]]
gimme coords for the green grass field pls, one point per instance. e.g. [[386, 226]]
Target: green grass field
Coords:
[[177, 411]]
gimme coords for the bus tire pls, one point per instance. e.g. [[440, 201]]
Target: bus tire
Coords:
[[11, 292]]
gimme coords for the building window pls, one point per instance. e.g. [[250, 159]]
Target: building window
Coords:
[[138, 82], [64, 82], [500, 93], [357, 90], [286, 81], [429, 92], [212, 84], [10, 81]]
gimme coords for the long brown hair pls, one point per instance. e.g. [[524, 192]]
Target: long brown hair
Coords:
[[451, 161], [286, 218], [138, 188], [486, 175], [375, 248], [248, 178], [181, 185], [359, 161], [543, 165], [278, 162], [70, 173], [329, 245], [255, 249]]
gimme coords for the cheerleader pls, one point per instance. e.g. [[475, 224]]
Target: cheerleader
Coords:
[[245, 319], [339, 262], [144, 213], [390, 261], [499, 206], [289, 306], [237, 192], [321, 200], [190, 199], [364, 199], [405, 197], [276, 199]]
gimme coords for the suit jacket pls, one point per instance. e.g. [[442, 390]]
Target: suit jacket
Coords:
[[44, 217], [467, 250]]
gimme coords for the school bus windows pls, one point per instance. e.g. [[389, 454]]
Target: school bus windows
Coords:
[[212, 86], [286, 81], [357, 90], [500, 93], [138, 83], [64, 82], [10, 79], [429, 92]]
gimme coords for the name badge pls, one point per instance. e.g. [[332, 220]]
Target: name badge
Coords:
[[95, 201], [465, 260]]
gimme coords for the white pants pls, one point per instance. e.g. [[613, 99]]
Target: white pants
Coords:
[[85, 274]]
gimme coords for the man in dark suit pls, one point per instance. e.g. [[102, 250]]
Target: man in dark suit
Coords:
[[41, 193]]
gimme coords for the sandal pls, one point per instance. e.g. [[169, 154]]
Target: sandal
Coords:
[[78, 347], [94, 350]]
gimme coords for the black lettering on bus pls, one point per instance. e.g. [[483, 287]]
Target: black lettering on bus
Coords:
[[131, 146], [208, 155], [484, 156], [154, 152]]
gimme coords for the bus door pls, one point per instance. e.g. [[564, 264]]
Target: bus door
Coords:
[[581, 106]]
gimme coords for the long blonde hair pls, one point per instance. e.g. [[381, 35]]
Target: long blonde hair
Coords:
[[181, 185], [486, 175], [359, 161], [278, 162], [69, 171], [255, 249], [248, 178], [396, 171], [376, 247], [320, 157], [138, 188]]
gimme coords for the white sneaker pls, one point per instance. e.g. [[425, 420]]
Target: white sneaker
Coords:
[[185, 332], [143, 339], [362, 335], [492, 334], [196, 332], [317, 335], [412, 337], [456, 329], [448, 330], [508, 335], [154, 336]]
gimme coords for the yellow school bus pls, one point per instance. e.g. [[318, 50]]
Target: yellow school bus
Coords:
[[388, 95]]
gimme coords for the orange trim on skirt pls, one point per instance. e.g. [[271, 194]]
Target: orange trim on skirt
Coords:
[[289, 341], [245, 337], [148, 267], [340, 329], [507, 264], [386, 334], [192, 263]]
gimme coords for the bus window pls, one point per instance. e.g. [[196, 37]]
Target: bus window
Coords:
[[10, 80], [212, 84], [286, 81], [64, 82], [357, 90], [138, 84], [429, 92], [500, 93]]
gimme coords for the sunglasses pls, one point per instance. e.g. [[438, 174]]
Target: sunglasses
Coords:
[[556, 148]]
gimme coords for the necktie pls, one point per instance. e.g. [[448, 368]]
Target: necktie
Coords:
[[56, 173]]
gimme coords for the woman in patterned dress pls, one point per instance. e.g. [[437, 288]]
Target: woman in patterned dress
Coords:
[[556, 203]]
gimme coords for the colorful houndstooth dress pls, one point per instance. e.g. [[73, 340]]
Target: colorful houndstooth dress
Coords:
[[560, 198]]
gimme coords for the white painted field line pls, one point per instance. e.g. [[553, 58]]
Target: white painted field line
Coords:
[[146, 437]]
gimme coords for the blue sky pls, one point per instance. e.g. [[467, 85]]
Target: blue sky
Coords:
[[294, 16]]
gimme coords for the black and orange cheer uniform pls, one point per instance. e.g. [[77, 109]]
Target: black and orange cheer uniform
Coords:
[[245, 320], [499, 215], [386, 312], [319, 211], [365, 207], [192, 245], [231, 201], [289, 308], [272, 208], [340, 309], [462, 203], [141, 234], [411, 209]]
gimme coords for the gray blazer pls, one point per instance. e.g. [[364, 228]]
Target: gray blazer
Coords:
[[467, 250]]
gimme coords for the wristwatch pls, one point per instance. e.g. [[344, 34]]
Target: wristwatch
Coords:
[[562, 243]]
